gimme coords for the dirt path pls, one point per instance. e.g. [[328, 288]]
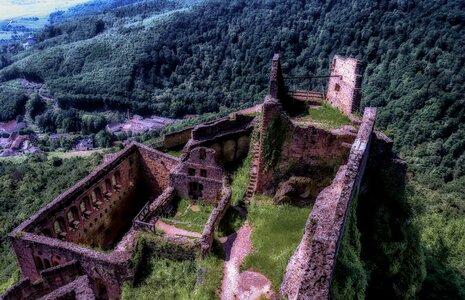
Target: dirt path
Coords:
[[172, 230], [245, 285]]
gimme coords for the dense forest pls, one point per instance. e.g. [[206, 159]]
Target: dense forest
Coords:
[[183, 57]]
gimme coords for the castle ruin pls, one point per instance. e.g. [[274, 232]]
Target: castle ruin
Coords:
[[80, 245]]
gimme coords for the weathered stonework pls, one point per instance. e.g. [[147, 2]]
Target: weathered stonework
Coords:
[[208, 234], [198, 176], [96, 212], [177, 139], [229, 137], [309, 272], [344, 87]]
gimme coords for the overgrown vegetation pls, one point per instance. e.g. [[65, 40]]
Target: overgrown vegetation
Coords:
[[159, 277], [391, 251], [240, 179], [191, 216], [326, 117], [277, 231], [26, 186], [349, 277], [273, 140]]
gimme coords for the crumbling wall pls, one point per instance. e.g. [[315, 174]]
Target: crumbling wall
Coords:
[[229, 137], [79, 289], [95, 211], [303, 146], [51, 279], [309, 272], [344, 87], [156, 167], [208, 234], [112, 269], [177, 139], [198, 176]]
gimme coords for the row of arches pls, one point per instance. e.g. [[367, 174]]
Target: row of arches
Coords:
[[50, 261], [74, 215]]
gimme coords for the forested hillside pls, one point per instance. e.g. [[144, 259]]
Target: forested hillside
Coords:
[[179, 57]]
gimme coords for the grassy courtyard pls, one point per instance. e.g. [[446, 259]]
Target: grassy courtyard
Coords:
[[190, 216], [186, 279], [277, 231], [326, 117]]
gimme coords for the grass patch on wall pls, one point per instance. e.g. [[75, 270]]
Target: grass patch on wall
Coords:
[[326, 117], [277, 231]]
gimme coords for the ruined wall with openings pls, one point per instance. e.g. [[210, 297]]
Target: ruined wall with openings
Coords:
[[309, 272], [304, 148], [344, 88], [97, 211], [52, 279], [208, 233], [229, 137], [198, 176]]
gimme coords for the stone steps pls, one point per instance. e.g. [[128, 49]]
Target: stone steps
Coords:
[[253, 170]]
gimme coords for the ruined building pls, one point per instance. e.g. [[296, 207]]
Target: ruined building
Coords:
[[79, 246]]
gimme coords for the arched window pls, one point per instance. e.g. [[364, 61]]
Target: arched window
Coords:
[[38, 263], [47, 264], [59, 226], [202, 154], [116, 180], [97, 197], [73, 217], [84, 205], [108, 186]]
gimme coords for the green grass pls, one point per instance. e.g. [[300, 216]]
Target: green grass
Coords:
[[68, 154], [326, 117], [240, 180], [277, 231], [169, 279], [196, 219], [175, 153]]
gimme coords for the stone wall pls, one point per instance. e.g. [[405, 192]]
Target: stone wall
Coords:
[[208, 234], [96, 211], [304, 146], [112, 269], [309, 272], [229, 137], [198, 176], [79, 289], [51, 279], [156, 167], [344, 89], [271, 109], [177, 139]]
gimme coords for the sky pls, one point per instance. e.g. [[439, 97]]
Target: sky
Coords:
[[29, 8]]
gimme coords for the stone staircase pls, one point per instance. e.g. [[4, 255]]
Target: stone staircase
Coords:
[[253, 168]]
